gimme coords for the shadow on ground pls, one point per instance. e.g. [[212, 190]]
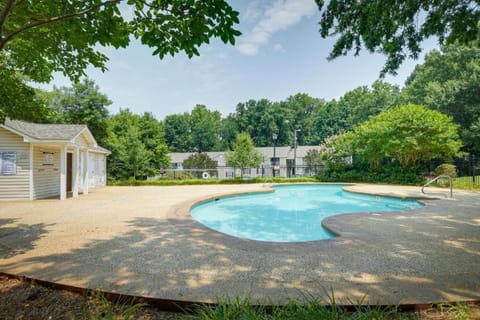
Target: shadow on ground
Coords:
[[16, 239]]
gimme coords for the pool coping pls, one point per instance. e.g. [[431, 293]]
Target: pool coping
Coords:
[[187, 227], [182, 212]]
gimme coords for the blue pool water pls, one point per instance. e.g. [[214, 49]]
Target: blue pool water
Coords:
[[291, 213]]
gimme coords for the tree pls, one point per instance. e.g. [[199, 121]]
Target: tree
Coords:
[[257, 119], [227, 132], [18, 100], [314, 160], [244, 154], [200, 161], [448, 81], [178, 132], [137, 145], [397, 28], [133, 158], [152, 136], [204, 126], [83, 103], [330, 119], [409, 134], [40, 37], [302, 109], [363, 103]]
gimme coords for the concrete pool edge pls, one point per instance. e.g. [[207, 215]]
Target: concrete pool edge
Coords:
[[443, 280], [182, 212]]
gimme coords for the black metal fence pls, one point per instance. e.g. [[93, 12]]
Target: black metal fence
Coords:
[[468, 170], [224, 172]]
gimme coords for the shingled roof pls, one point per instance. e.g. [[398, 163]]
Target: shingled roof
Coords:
[[38, 131]]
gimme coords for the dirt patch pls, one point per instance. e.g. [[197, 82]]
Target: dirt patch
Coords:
[[23, 300]]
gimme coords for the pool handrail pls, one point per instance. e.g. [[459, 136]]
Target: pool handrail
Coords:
[[437, 178]]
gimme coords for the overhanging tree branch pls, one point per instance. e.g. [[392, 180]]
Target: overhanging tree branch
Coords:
[[9, 4], [11, 35]]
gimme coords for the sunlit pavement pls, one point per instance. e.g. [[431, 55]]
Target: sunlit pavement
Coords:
[[142, 241]]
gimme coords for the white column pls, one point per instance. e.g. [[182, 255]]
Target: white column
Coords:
[[31, 186], [85, 172], [63, 172], [75, 171]]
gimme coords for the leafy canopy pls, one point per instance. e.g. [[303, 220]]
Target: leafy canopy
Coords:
[[199, 161], [137, 144], [244, 154], [396, 28], [82, 103], [39, 37], [409, 134], [449, 81]]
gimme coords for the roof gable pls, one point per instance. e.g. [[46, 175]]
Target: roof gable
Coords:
[[49, 132]]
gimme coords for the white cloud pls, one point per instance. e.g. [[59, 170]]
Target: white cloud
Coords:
[[278, 16], [278, 47]]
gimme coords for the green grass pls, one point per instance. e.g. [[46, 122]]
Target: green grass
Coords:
[[97, 306], [309, 308], [210, 181]]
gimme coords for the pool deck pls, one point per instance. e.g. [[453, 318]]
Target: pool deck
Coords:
[[141, 241]]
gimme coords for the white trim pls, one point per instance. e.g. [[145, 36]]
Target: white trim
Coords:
[[31, 185], [25, 137], [85, 172], [75, 171], [63, 172], [94, 142]]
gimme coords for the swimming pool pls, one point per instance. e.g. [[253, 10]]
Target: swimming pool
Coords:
[[291, 213]]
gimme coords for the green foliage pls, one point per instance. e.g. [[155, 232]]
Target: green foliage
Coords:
[[183, 178], [97, 306], [338, 151], [137, 144], [446, 168], [227, 133], [363, 103], [330, 119], [244, 154], [204, 126], [391, 173], [83, 103], [195, 131], [17, 99], [38, 38], [199, 161], [307, 308], [177, 132], [409, 134], [448, 81], [315, 160], [41, 37], [397, 30]]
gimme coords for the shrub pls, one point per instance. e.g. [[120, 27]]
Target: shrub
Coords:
[[446, 168]]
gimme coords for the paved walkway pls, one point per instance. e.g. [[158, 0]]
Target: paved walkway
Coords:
[[141, 241]]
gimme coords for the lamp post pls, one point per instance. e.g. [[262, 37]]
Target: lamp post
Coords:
[[274, 162], [295, 151]]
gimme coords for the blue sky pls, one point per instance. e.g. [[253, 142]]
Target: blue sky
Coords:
[[280, 53]]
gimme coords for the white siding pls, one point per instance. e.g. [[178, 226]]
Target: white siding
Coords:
[[97, 170], [15, 186], [81, 141], [46, 178]]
